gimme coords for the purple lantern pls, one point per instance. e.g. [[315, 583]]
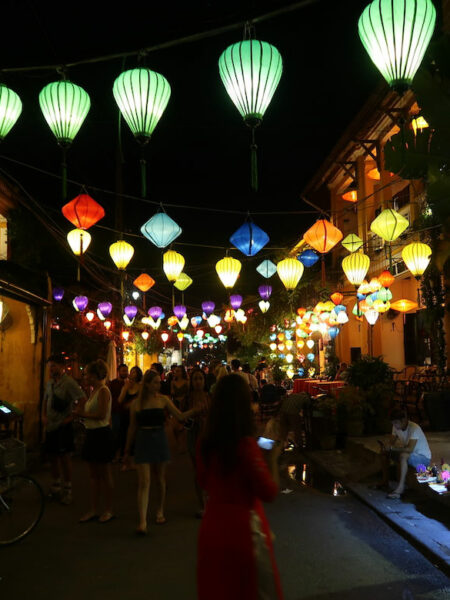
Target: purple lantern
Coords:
[[81, 303], [105, 308], [235, 301], [131, 311], [58, 294], [265, 291], [155, 312], [179, 311], [208, 306]]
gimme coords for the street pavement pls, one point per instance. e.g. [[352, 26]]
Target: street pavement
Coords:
[[327, 547]]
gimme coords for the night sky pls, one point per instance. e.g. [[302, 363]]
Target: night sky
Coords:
[[199, 154]]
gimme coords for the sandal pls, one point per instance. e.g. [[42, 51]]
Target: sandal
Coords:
[[88, 517], [106, 517]]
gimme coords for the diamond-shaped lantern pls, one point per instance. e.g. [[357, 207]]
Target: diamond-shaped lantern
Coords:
[[161, 230], [83, 211], [249, 238], [267, 268]]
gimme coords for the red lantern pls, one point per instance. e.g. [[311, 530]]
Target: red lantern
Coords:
[[323, 236], [386, 279], [83, 211], [144, 282], [301, 311], [337, 298]]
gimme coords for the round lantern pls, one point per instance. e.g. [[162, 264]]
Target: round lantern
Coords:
[[79, 241], [121, 253], [337, 298], [404, 305], [105, 308], [381, 306], [173, 264], [83, 211], [10, 109], [228, 270], [155, 312], [80, 303], [310, 344], [308, 258], [290, 272], [396, 34], [352, 242], [416, 257], [355, 267], [386, 279], [183, 282], [179, 311], [266, 268], [58, 294], [131, 311], [161, 230], [323, 236], [144, 282], [389, 225]]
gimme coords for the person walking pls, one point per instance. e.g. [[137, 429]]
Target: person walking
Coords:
[[98, 448], [61, 394], [115, 387], [130, 391], [199, 400], [151, 453], [235, 553], [179, 389]]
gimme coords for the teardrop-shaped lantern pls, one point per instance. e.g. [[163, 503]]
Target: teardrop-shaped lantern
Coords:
[[105, 308], [131, 311], [352, 242], [179, 311], [265, 291], [228, 270], [173, 264], [142, 96], [64, 106], [323, 236], [161, 230], [416, 257], [371, 316], [308, 258], [79, 241], [264, 305], [267, 268], [355, 267], [389, 225], [155, 312], [249, 238], [121, 253], [83, 211], [290, 272], [80, 303], [236, 301], [396, 34], [144, 282], [208, 307], [10, 109], [183, 282], [58, 294], [386, 279]]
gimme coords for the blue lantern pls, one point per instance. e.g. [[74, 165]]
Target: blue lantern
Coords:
[[161, 230], [361, 297], [273, 337], [308, 258], [162, 316], [333, 332], [339, 308], [249, 238], [301, 371], [311, 357], [266, 268]]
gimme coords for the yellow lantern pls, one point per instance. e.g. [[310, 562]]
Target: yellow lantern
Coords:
[[404, 305], [264, 305], [374, 174], [183, 282], [290, 271], [288, 344], [389, 225], [381, 306], [416, 257], [79, 241], [125, 335], [328, 306], [173, 263], [184, 322], [364, 288], [172, 321], [280, 336], [121, 253], [289, 358], [419, 123], [229, 316], [352, 242], [374, 284], [355, 267], [228, 270], [107, 325], [145, 335], [180, 336], [300, 344]]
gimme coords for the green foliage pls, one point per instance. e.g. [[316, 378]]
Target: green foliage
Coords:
[[153, 345], [369, 371]]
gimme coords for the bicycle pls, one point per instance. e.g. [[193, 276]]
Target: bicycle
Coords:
[[21, 497]]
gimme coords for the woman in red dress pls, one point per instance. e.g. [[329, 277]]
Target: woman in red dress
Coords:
[[235, 553]]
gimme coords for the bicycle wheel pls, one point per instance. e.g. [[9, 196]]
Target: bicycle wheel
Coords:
[[21, 508]]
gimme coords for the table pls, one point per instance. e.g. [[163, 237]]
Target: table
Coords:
[[313, 386]]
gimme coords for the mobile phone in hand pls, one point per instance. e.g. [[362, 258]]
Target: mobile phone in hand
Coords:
[[265, 443]]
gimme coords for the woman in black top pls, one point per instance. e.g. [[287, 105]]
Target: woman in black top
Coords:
[[147, 416], [129, 392]]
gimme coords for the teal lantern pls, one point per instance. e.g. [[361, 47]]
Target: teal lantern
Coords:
[[266, 268], [142, 96], [250, 71], [396, 34], [161, 230], [10, 109], [64, 106], [249, 238]]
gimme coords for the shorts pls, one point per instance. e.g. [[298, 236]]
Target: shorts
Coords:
[[415, 459], [60, 441], [98, 446]]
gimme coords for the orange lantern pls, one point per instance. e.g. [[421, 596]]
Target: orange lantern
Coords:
[[83, 211], [363, 306], [323, 236], [229, 316], [386, 279], [301, 311], [404, 305], [351, 196], [337, 298], [374, 174], [172, 321], [144, 282], [180, 336]]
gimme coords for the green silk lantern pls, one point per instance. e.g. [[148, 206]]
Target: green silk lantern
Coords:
[[142, 96], [352, 242], [64, 106], [10, 109], [396, 34], [250, 71]]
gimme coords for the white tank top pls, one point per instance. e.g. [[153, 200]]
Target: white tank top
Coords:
[[92, 407]]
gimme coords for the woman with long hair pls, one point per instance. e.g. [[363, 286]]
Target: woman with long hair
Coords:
[[129, 392], [199, 400], [235, 554], [151, 452], [98, 448], [179, 388]]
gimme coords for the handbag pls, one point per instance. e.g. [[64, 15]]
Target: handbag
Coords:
[[265, 578]]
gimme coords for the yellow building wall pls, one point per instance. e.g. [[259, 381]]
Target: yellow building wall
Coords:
[[20, 364]]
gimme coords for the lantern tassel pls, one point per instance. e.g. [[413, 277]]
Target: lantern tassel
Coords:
[[64, 174], [254, 163]]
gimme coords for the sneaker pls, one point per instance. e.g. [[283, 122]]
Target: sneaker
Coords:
[[66, 497]]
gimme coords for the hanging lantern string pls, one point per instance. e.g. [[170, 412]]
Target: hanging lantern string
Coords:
[[254, 161]]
